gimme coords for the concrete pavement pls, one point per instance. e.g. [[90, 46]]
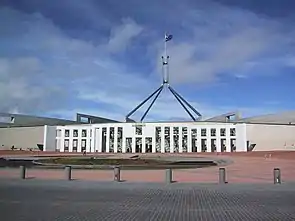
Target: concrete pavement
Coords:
[[42, 200]]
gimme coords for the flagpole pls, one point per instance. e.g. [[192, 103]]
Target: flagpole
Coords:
[[165, 45], [165, 84], [165, 61]]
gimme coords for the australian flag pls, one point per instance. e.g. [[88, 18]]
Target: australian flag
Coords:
[[168, 37]]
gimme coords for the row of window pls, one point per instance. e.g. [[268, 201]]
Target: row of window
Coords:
[[148, 144], [148, 141], [75, 145], [138, 131], [76, 133], [213, 132], [194, 132]]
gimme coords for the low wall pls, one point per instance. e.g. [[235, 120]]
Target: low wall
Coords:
[[21, 137], [271, 137]]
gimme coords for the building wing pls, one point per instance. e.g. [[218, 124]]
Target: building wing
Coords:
[[278, 118]]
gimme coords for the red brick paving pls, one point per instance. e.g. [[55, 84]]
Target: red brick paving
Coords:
[[251, 167]]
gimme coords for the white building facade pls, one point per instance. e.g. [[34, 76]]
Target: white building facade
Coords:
[[174, 137], [160, 137]]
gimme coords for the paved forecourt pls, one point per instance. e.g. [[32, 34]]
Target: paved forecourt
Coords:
[[244, 168], [88, 200]]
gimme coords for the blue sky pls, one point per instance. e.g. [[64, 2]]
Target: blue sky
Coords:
[[103, 57]]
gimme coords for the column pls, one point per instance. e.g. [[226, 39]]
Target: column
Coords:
[[98, 142], [115, 139], [108, 140], [218, 144], [209, 144], [171, 140], [154, 142], [189, 140], [133, 145], [180, 139], [124, 144], [88, 139], [62, 140], [88, 149], [143, 144], [199, 140], [228, 147], [93, 139], [70, 143], [45, 137], [162, 134], [79, 146]]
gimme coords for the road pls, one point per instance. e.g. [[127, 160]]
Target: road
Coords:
[[41, 200]]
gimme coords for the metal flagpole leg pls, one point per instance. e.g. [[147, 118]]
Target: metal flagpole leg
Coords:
[[143, 102], [188, 104], [184, 107], [154, 100]]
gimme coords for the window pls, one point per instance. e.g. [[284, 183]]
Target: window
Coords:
[[138, 145], [158, 139], [213, 132], [103, 139], [184, 139], [213, 145], [233, 131], [120, 139], [223, 145], [66, 145], [138, 130], [203, 132], [128, 144], [167, 130], [184, 131], [167, 138], [75, 145], [111, 139], [175, 130], [194, 145], [112, 132], [84, 133], [148, 144], [67, 133], [194, 133], [120, 132], [204, 145], [75, 134], [104, 131], [222, 132], [158, 132], [233, 145], [84, 120], [83, 145]]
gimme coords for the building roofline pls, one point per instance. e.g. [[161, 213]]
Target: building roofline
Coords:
[[37, 117]]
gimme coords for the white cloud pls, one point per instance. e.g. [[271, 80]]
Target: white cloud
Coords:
[[16, 90], [54, 73], [205, 60], [123, 34]]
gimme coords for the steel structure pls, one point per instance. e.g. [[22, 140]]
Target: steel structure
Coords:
[[186, 106]]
